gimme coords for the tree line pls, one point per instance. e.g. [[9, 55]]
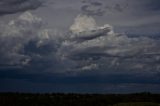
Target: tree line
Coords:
[[71, 99]]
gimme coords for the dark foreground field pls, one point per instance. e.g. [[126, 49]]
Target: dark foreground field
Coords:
[[59, 99]]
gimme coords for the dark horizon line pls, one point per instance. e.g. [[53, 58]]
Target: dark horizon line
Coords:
[[66, 93]]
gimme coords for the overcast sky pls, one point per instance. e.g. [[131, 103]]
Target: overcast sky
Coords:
[[84, 46]]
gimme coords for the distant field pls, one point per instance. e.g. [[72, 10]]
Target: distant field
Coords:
[[60, 99]]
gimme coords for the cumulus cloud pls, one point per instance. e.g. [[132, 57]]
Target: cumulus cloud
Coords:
[[27, 42], [15, 35], [83, 23], [85, 27], [107, 49], [14, 6]]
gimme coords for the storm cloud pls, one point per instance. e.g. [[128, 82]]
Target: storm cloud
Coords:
[[93, 8], [84, 47], [100, 46], [16, 36], [14, 6], [108, 50]]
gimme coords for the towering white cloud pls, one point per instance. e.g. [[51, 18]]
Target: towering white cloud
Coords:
[[83, 23]]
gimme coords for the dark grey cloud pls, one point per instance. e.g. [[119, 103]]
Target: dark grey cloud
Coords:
[[96, 3], [12, 85], [78, 84], [118, 7], [88, 57], [108, 50], [100, 8], [14, 6], [17, 35], [27, 43], [88, 54], [154, 6], [93, 8]]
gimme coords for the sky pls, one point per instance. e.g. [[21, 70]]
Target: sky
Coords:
[[80, 46]]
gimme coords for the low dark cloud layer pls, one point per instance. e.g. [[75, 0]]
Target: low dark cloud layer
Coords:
[[14, 6], [99, 84]]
